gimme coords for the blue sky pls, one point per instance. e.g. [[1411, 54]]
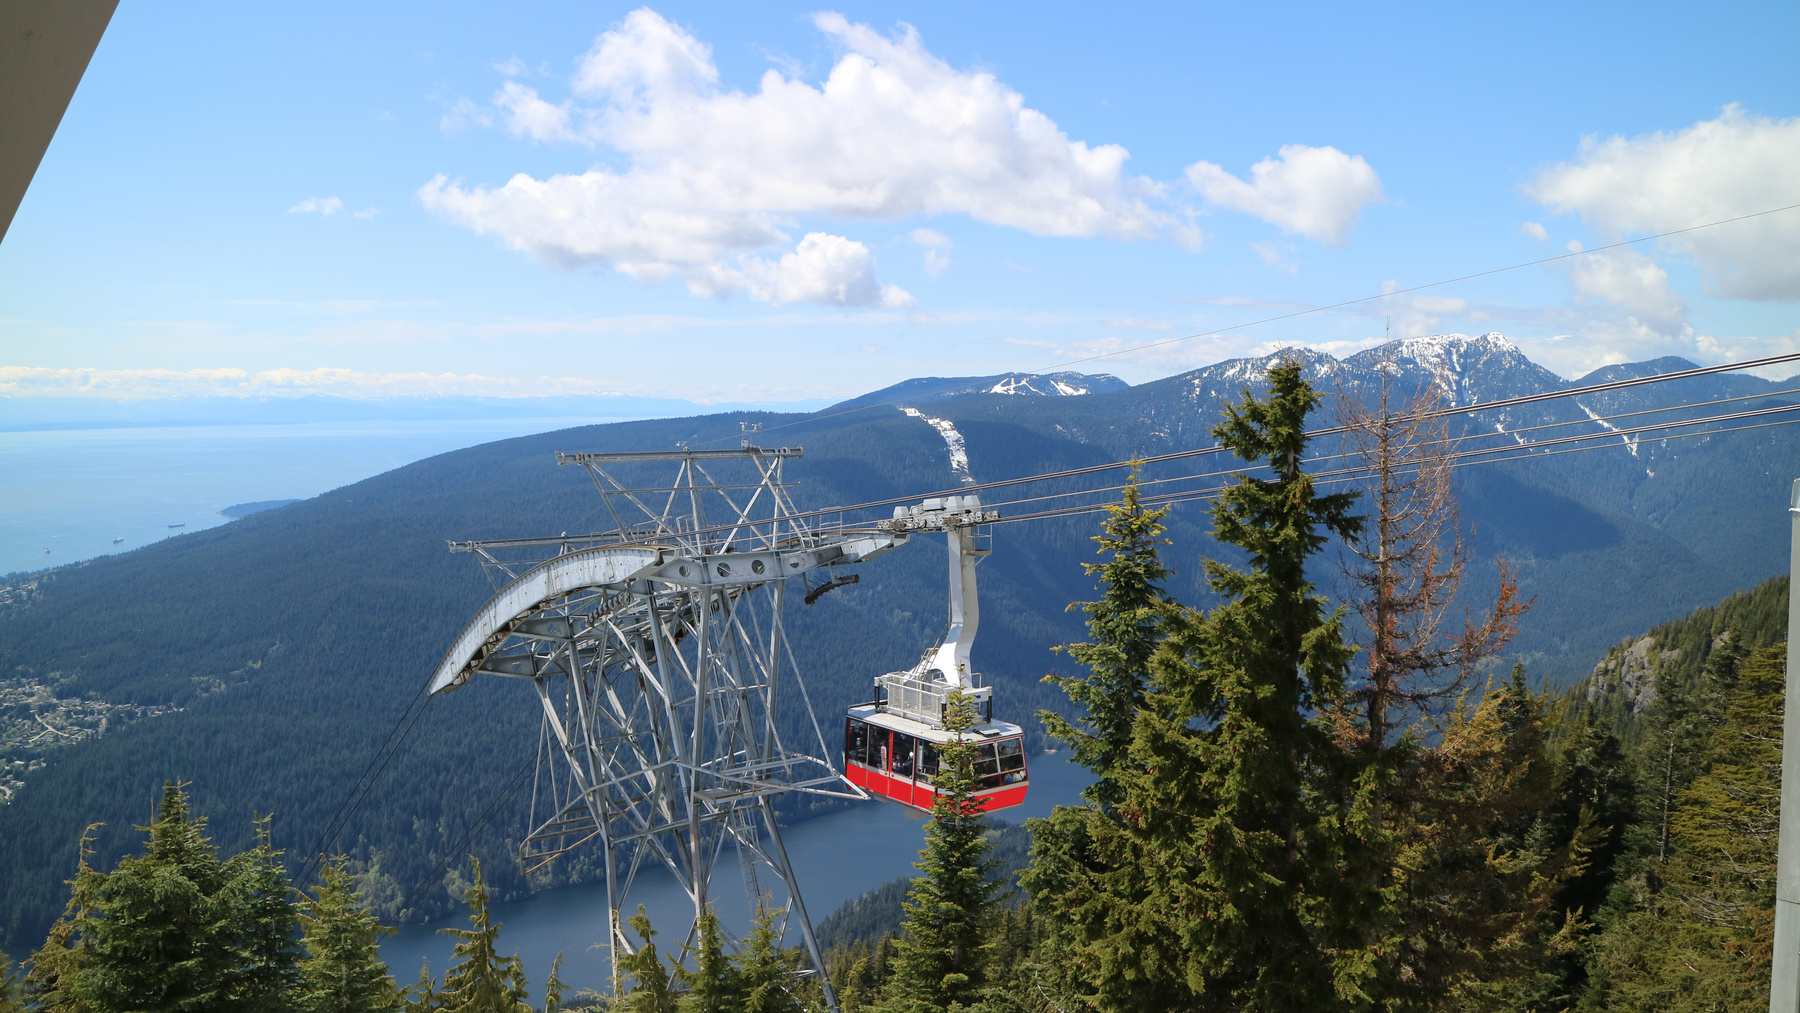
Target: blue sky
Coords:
[[401, 198]]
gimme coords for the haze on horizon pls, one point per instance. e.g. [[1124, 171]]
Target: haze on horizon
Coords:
[[781, 204]]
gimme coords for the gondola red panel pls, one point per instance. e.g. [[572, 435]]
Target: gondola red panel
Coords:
[[919, 796]]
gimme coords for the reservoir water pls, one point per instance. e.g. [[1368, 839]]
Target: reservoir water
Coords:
[[839, 857], [73, 492]]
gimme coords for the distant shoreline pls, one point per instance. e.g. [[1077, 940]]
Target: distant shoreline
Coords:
[[238, 510]]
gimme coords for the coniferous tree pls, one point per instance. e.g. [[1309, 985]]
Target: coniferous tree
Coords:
[[1703, 937], [859, 971], [343, 971], [422, 995], [1481, 864], [852, 975], [1680, 721], [1233, 873], [650, 990], [268, 975], [174, 928], [54, 970], [553, 986], [159, 934], [940, 960], [1030, 969], [714, 984], [1411, 566], [481, 981], [765, 969], [11, 987], [1595, 786], [1124, 629]]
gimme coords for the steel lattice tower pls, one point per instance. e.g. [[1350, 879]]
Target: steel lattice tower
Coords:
[[658, 655]]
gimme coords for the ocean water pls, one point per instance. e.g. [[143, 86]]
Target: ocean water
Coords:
[[837, 857], [65, 495]]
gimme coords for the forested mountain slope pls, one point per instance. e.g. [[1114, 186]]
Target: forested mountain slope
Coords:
[[291, 641], [1674, 743]]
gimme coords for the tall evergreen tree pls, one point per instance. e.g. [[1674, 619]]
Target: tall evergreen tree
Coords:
[[765, 969], [1123, 627], [343, 971], [1680, 721], [481, 980], [714, 984], [422, 995], [1233, 873], [268, 975], [55, 969], [554, 987], [649, 988], [950, 912], [175, 928]]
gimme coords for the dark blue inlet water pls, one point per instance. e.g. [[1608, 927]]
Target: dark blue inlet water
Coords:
[[838, 857]]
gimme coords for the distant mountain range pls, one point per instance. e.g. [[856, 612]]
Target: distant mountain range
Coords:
[[267, 659]]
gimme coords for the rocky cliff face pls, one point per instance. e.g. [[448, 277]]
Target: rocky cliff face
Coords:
[[1629, 673]]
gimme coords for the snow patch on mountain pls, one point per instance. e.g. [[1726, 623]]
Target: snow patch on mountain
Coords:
[[1457, 366], [959, 451], [1630, 441], [932, 388], [1032, 383], [1500, 427], [1227, 378]]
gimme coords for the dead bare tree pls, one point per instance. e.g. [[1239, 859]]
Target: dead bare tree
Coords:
[[1409, 562]]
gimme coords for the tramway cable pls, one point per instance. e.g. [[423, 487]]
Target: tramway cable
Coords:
[[1591, 420], [383, 755], [1179, 455], [514, 786], [1459, 460]]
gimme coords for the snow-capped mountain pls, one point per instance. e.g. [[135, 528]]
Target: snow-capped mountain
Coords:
[[1462, 370], [930, 388]]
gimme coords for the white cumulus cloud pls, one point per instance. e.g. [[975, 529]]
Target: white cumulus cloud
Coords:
[[1412, 316], [823, 269], [1314, 192], [712, 177], [530, 116], [1632, 282], [326, 206], [1736, 164]]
